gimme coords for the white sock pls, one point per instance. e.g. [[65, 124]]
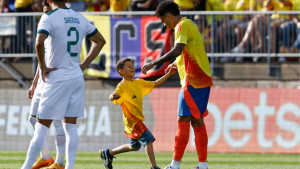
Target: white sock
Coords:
[[71, 144], [203, 165], [60, 140], [36, 145], [175, 164], [45, 152]]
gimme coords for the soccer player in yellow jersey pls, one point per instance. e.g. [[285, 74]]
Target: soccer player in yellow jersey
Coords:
[[193, 68], [129, 94]]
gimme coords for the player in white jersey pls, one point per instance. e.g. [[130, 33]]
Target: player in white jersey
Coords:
[[34, 93], [62, 96]]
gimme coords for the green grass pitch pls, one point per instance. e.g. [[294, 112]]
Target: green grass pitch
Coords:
[[91, 160]]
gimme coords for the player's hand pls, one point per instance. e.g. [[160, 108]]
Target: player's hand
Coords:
[[114, 96], [172, 70], [46, 71], [172, 65], [83, 67], [31, 91], [147, 67]]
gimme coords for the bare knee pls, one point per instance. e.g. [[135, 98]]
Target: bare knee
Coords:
[[197, 122], [133, 148]]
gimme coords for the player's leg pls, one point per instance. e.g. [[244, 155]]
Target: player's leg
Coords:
[[200, 98], [60, 141], [183, 129], [45, 159], [75, 109], [201, 140], [37, 142], [52, 106]]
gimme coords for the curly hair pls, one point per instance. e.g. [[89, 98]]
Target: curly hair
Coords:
[[167, 6]]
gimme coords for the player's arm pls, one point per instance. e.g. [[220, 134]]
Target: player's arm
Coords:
[[40, 52], [170, 72], [34, 84], [114, 96], [98, 44], [173, 54]]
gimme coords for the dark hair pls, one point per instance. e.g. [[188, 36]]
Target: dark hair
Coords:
[[120, 64], [59, 0], [167, 7], [45, 3]]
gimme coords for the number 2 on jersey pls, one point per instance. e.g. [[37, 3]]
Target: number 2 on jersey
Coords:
[[70, 43]]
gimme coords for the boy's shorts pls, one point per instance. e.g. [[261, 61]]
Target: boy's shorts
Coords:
[[144, 140], [193, 102]]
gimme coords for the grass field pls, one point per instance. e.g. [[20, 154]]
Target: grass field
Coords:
[[90, 160]]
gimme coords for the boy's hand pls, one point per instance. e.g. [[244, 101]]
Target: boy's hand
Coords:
[[114, 96], [171, 69]]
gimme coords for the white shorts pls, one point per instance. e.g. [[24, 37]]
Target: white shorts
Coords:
[[62, 99], [35, 101]]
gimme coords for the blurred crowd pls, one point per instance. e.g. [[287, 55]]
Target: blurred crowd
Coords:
[[221, 33]]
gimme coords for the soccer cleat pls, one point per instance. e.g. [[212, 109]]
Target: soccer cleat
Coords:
[[155, 167], [107, 158], [42, 163], [55, 166], [170, 167]]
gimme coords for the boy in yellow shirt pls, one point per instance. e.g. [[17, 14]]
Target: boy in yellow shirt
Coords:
[[129, 94]]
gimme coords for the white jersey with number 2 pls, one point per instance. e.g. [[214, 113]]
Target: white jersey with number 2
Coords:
[[65, 29]]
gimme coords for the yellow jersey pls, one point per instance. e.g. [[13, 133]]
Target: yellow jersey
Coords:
[[296, 6], [23, 3], [242, 5], [256, 4], [131, 101], [192, 64], [214, 5], [118, 5], [279, 6], [185, 4]]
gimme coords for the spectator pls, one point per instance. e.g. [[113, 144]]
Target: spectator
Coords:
[[23, 23], [256, 29], [76, 5], [97, 5], [143, 5], [288, 30], [186, 5], [277, 20], [37, 6], [214, 5], [118, 5]]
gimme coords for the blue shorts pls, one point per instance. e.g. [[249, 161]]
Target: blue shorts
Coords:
[[144, 140], [193, 102]]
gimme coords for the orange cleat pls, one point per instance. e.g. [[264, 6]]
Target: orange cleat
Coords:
[[42, 163], [55, 166]]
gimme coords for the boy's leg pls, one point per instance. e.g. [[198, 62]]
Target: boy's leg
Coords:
[[150, 153], [108, 155], [122, 149]]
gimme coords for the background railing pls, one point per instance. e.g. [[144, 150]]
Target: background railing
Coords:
[[221, 32]]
